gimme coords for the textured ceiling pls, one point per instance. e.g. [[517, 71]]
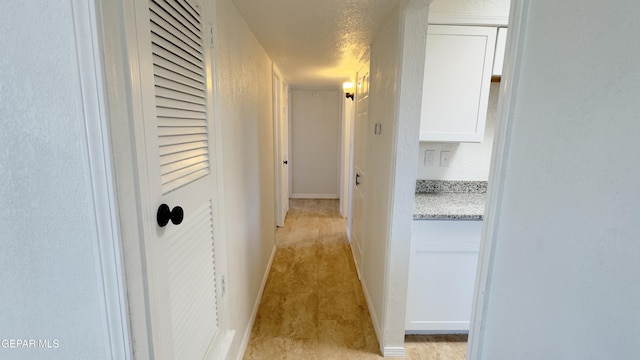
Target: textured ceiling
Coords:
[[316, 44]]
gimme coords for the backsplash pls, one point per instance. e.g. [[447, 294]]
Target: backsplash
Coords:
[[433, 186]]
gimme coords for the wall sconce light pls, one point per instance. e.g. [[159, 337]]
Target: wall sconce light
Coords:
[[347, 87]]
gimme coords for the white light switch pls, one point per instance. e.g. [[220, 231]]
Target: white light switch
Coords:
[[445, 156]]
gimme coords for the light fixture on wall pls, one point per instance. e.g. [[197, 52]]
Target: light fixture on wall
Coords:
[[348, 90]]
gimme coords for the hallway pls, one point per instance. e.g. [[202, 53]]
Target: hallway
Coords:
[[313, 306]]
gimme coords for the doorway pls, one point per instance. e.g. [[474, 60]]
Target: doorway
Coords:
[[315, 144], [281, 140]]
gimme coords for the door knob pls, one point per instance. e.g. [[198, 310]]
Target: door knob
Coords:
[[165, 214], [357, 179], [285, 162]]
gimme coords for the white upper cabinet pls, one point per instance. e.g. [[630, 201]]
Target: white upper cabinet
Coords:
[[457, 78]]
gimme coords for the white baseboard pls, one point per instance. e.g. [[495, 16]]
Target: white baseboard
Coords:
[[314, 196], [353, 254], [219, 349], [393, 351], [374, 317], [247, 332], [387, 351], [436, 332]]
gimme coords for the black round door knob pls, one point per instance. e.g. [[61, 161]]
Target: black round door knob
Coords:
[[165, 214], [177, 215], [285, 162]]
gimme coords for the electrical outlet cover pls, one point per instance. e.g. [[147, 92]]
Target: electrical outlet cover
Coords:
[[445, 157]]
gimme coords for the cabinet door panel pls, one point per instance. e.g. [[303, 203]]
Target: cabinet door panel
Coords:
[[442, 271], [457, 77]]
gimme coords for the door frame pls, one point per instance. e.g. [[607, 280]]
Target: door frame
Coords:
[[281, 178], [350, 173], [107, 250], [346, 142], [506, 106], [356, 235], [124, 130]]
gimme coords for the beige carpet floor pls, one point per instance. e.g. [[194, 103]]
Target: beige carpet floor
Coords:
[[313, 306]]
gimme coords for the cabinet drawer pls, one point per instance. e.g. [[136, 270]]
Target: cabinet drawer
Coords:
[[425, 231]]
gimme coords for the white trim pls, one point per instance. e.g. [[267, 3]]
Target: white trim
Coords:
[[247, 332], [346, 142], [282, 173], [506, 107], [351, 170], [289, 139], [436, 332], [276, 103], [355, 261], [315, 196], [343, 174], [374, 318], [219, 348], [119, 51], [460, 326], [393, 351], [457, 19], [223, 340], [108, 251], [405, 143]]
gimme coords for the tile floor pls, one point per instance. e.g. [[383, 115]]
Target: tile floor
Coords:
[[313, 306]]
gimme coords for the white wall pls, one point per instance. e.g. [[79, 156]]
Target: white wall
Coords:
[[315, 143], [469, 11], [397, 66], [48, 261], [563, 272], [468, 161], [244, 79], [382, 109]]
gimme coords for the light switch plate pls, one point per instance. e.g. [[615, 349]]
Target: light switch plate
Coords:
[[430, 158]]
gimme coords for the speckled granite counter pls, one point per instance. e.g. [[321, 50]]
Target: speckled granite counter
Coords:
[[449, 200]]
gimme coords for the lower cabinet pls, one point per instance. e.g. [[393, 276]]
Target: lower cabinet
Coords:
[[442, 274]]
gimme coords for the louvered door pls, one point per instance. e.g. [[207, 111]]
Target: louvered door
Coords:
[[177, 123], [180, 89]]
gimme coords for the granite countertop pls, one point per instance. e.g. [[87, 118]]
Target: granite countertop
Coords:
[[449, 200]]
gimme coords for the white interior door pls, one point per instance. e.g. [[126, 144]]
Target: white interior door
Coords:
[[359, 165], [176, 104], [348, 115], [281, 132], [284, 146]]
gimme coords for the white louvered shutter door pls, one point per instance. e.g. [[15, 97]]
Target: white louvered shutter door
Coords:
[[180, 85], [178, 150]]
